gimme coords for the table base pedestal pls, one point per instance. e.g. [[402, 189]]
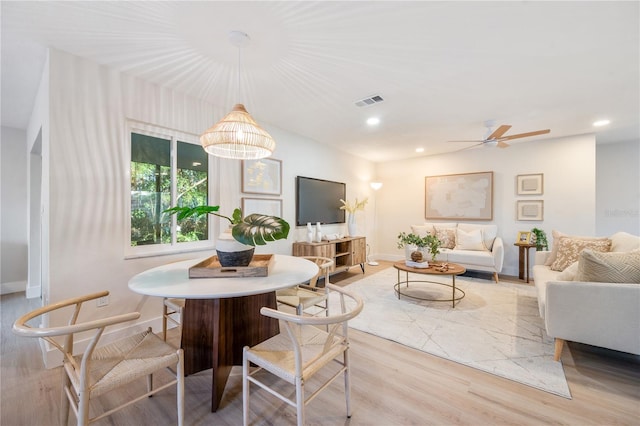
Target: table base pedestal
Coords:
[[214, 332]]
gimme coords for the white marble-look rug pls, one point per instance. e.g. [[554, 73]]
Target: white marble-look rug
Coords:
[[495, 328]]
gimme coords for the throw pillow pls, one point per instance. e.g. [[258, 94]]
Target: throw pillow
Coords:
[[569, 273], [447, 237], [422, 230], [623, 241], [489, 232], [556, 240], [569, 250], [612, 267], [469, 240]]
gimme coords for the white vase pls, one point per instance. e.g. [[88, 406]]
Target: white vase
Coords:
[[351, 225], [232, 252]]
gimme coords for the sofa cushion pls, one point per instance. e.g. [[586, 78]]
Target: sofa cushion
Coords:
[[541, 276], [471, 240], [489, 232], [557, 235], [616, 267], [447, 237], [467, 258], [569, 250], [569, 273], [623, 241]]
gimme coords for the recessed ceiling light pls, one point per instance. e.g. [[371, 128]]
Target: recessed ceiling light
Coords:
[[419, 149], [601, 123], [373, 121]]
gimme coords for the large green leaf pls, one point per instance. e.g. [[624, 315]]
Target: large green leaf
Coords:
[[259, 229]]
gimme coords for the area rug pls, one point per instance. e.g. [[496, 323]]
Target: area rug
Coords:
[[495, 328]]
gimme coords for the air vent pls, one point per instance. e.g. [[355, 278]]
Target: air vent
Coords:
[[371, 100]]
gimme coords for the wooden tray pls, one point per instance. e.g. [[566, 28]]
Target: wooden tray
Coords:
[[211, 268]]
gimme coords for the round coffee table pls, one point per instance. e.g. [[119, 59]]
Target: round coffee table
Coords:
[[451, 269]]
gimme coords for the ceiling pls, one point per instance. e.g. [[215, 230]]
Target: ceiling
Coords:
[[442, 68]]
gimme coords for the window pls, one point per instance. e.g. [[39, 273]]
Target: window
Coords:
[[167, 169]]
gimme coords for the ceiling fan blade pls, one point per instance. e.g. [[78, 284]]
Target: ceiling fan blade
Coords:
[[525, 135], [469, 147], [476, 141], [503, 144], [498, 132]]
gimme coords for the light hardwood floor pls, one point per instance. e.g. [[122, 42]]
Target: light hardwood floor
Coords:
[[391, 385]]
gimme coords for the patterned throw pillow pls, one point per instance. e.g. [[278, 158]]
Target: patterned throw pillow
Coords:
[[614, 267], [447, 237], [569, 250], [557, 235]]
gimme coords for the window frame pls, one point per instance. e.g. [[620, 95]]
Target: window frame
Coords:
[[174, 136]]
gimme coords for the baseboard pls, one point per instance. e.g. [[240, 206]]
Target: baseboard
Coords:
[[13, 287], [52, 357]]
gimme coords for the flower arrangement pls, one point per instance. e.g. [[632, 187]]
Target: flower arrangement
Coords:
[[352, 208]]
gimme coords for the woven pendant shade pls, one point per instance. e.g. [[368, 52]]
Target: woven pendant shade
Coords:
[[238, 136]]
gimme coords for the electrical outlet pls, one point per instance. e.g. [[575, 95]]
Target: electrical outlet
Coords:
[[102, 301]]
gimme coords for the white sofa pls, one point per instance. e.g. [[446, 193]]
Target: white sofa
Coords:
[[477, 246], [602, 314]]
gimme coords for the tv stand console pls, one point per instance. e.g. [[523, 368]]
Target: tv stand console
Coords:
[[346, 252]]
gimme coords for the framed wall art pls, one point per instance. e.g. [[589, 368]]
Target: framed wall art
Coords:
[[467, 196], [529, 184], [263, 176], [268, 206], [530, 210]]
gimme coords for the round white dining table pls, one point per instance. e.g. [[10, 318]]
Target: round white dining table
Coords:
[[222, 315], [172, 280]]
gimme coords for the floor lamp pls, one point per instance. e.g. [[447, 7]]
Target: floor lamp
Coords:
[[375, 186]]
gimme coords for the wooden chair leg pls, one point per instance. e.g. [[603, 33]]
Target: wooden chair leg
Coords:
[[180, 386], [300, 401], [347, 382], [64, 403], [164, 322], [558, 349]]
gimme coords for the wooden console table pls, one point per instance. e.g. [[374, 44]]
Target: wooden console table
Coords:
[[345, 252], [523, 260]]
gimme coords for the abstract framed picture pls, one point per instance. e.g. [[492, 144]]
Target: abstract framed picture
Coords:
[[530, 210], [530, 184], [263, 176], [268, 206], [467, 196]]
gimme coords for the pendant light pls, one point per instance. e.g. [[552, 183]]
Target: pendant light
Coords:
[[238, 135]]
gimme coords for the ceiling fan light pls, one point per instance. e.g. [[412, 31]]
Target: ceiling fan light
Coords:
[[238, 136]]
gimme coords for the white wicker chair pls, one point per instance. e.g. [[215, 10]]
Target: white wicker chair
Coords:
[[300, 351], [102, 369], [305, 296], [170, 307]]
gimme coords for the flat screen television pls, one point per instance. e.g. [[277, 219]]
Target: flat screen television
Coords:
[[318, 200]]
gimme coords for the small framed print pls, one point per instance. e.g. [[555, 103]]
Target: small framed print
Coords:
[[263, 176], [268, 206], [530, 210], [524, 237], [529, 184]]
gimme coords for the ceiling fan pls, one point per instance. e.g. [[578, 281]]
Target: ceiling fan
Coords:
[[497, 138]]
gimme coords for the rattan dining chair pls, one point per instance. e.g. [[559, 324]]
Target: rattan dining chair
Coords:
[[304, 296], [101, 369], [170, 308], [301, 350]]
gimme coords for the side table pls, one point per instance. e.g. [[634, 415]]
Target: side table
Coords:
[[523, 262]]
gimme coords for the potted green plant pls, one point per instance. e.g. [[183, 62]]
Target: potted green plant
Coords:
[[236, 247], [540, 239], [416, 246]]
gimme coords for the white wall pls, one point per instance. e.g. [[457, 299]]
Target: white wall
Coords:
[[13, 199], [89, 175], [618, 188], [568, 166]]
